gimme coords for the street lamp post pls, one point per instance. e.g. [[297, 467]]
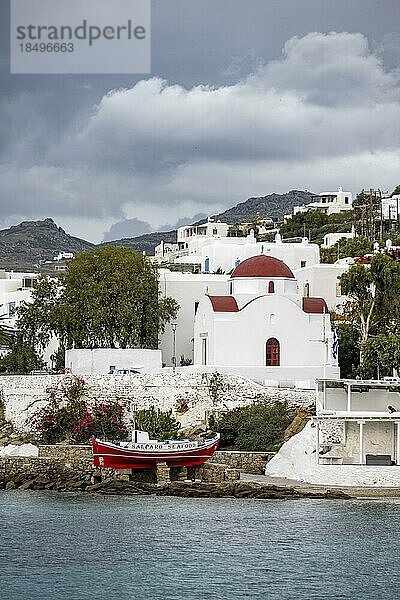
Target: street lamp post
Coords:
[[173, 325]]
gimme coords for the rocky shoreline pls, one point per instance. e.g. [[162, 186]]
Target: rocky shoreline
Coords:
[[183, 489]]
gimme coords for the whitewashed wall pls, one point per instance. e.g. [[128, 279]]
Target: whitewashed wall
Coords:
[[186, 392], [100, 360]]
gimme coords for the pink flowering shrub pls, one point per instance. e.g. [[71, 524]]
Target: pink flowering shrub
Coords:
[[68, 416]]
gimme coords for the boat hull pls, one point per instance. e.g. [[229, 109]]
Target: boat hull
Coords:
[[108, 455]]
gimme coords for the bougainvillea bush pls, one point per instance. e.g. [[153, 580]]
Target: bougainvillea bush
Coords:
[[68, 416]]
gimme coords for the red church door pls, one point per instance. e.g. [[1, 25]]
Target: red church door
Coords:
[[272, 355]]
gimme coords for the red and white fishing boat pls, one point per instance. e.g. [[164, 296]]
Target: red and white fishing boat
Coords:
[[143, 453]]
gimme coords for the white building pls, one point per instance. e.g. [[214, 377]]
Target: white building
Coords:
[[190, 240], [358, 422], [64, 256], [323, 281], [328, 202], [226, 254], [391, 208], [15, 288], [119, 361], [330, 239], [187, 289], [265, 329], [354, 439]]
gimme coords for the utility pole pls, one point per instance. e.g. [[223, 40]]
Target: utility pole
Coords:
[[173, 325], [381, 213]]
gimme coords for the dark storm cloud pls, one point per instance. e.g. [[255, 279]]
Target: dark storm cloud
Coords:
[[126, 229], [243, 100]]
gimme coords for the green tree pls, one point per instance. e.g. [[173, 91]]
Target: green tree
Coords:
[[5, 332], [39, 320], [396, 191], [374, 293], [257, 427], [108, 298], [381, 355], [21, 359], [349, 348], [159, 425], [346, 247]]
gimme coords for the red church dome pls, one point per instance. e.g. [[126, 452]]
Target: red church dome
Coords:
[[262, 266]]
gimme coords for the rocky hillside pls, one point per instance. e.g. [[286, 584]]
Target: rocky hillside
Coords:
[[24, 246], [146, 242], [273, 205]]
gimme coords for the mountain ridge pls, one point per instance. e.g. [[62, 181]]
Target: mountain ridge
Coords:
[[25, 246]]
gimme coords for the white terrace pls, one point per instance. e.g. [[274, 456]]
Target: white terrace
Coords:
[[358, 422]]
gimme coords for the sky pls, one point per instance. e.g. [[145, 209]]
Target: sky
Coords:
[[245, 98]]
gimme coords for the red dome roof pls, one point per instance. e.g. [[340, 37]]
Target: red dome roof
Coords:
[[262, 266]]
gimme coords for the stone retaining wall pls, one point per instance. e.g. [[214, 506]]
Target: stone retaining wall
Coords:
[[65, 452], [245, 462], [77, 473]]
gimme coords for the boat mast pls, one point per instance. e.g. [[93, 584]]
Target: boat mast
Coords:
[[134, 434]]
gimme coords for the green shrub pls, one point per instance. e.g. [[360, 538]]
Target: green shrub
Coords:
[[159, 425], [258, 427]]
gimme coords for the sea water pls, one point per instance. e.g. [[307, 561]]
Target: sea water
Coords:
[[82, 547]]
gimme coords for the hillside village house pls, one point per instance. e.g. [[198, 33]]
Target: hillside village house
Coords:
[[391, 208], [264, 328], [330, 239], [328, 202], [213, 250], [189, 241]]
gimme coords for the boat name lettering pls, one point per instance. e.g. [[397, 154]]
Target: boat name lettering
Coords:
[[182, 446]]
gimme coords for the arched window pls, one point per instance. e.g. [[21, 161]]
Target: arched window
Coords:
[[271, 287], [306, 291], [207, 265], [272, 353]]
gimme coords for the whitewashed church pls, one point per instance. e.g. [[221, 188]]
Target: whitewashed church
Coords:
[[265, 328]]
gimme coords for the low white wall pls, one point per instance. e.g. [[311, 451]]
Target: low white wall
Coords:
[[186, 392], [296, 460], [102, 360], [302, 378]]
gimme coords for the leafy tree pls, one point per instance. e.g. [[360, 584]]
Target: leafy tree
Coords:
[[374, 293], [396, 191], [5, 332], [304, 224], [38, 320], [349, 348], [346, 247], [159, 425], [109, 298], [315, 224], [381, 355], [253, 428], [21, 359]]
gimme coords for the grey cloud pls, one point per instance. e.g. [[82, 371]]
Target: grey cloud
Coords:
[[126, 229], [325, 87], [334, 70], [184, 221], [325, 113]]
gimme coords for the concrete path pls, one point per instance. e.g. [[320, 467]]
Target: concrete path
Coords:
[[355, 492]]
